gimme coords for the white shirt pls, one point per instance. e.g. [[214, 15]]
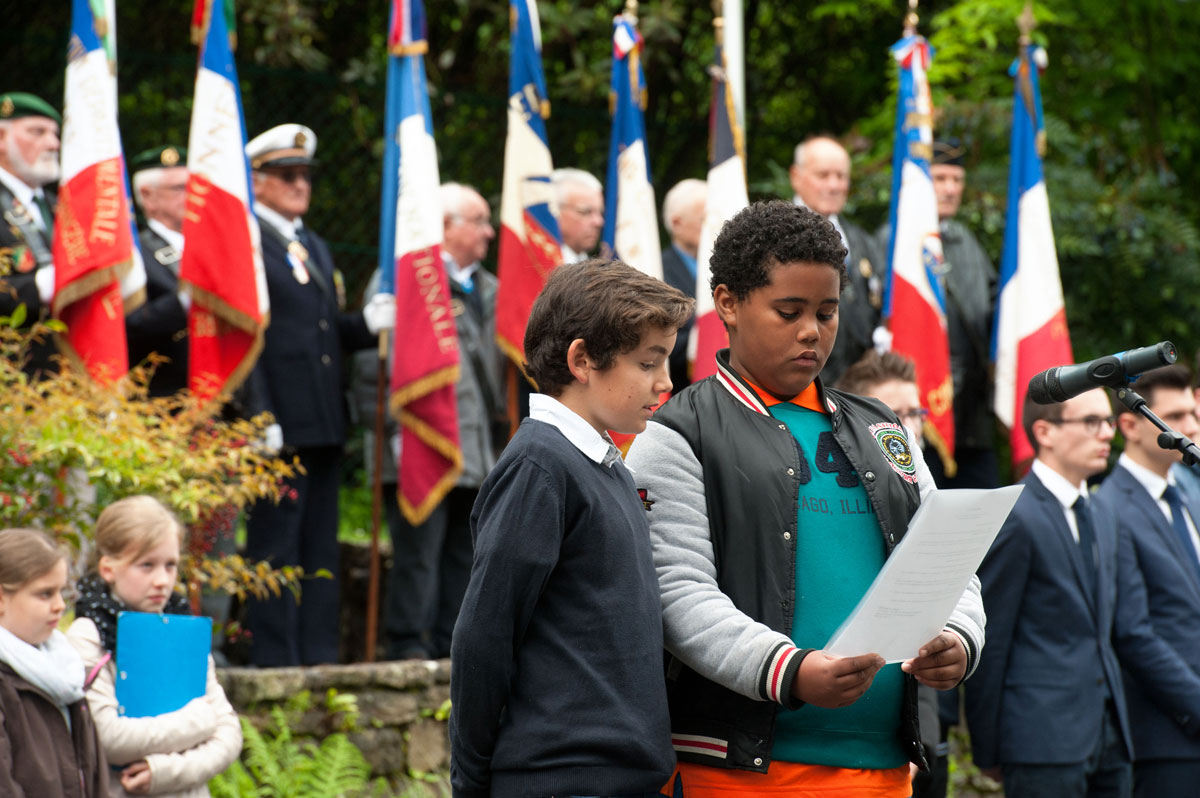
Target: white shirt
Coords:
[[1155, 485], [25, 195], [571, 256], [167, 234], [459, 274], [1061, 488], [289, 229], [582, 435]]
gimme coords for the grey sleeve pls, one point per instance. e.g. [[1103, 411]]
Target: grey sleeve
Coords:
[[701, 625]]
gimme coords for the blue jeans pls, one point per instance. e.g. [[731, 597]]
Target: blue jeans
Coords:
[[1106, 773]]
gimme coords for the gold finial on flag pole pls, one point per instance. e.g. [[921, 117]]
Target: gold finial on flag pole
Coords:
[[1026, 22], [911, 19]]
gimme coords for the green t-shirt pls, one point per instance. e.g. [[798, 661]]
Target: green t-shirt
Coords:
[[839, 550]]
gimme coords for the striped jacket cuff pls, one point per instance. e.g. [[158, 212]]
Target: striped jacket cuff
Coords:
[[779, 675], [970, 647]]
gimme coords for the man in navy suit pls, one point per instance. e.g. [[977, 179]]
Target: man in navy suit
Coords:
[[683, 216], [299, 374], [1160, 569], [1046, 707]]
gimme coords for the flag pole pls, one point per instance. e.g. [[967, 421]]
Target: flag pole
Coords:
[[1026, 22], [376, 501], [911, 19]]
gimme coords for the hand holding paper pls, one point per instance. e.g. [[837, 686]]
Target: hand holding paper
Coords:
[[940, 664], [832, 682], [918, 587]]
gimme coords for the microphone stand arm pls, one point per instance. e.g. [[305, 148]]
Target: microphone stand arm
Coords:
[[1168, 438]]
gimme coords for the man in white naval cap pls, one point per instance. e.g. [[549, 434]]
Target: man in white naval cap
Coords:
[[299, 375]]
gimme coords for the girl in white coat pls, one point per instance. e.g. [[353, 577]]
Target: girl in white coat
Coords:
[[175, 753]]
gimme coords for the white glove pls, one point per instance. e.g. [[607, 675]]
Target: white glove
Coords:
[[44, 280], [882, 338], [380, 313], [185, 300], [273, 438]]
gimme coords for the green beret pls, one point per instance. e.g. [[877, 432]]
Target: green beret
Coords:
[[158, 157], [17, 104]]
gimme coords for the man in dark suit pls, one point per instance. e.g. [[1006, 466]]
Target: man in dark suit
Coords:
[[1160, 569], [820, 176], [683, 216], [160, 323], [299, 374], [29, 145], [1046, 707]]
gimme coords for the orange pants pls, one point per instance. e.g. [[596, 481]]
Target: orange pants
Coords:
[[792, 780]]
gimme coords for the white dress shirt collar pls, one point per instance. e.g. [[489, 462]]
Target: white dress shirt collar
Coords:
[[1062, 489], [459, 274], [582, 435], [289, 229], [166, 234], [1153, 483]]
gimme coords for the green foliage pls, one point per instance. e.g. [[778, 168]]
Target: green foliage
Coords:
[[277, 765], [1123, 127], [69, 447]]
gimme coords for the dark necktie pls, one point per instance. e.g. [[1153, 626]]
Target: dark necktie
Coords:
[[44, 208], [1087, 540], [1175, 502]]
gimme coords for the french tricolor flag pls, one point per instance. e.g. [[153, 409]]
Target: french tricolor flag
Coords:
[[530, 245], [726, 196], [915, 306], [93, 239], [1030, 332], [410, 266], [222, 264], [630, 216]]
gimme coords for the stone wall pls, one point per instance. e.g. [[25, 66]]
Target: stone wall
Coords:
[[398, 703]]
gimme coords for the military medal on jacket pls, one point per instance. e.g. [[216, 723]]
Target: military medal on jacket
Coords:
[[298, 257]]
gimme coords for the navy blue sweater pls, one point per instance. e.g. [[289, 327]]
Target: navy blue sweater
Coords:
[[557, 682]]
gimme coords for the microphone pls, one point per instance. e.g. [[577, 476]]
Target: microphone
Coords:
[[1065, 382]]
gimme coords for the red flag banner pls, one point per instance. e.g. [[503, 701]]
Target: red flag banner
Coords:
[[93, 240]]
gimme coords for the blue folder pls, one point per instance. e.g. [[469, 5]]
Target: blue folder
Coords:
[[162, 661]]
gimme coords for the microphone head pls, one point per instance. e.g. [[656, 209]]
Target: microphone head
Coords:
[[1039, 390]]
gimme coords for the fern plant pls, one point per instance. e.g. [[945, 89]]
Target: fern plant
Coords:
[[277, 765]]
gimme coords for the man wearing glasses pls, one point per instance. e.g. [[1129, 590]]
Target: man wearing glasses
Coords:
[[299, 376], [580, 198], [1161, 569], [1046, 708]]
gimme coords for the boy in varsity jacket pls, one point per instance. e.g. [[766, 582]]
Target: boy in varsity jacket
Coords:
[[773, 502]]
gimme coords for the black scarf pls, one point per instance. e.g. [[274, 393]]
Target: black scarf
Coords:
[[97, 603]]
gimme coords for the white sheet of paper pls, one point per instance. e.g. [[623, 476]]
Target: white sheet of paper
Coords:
[[918, 587]]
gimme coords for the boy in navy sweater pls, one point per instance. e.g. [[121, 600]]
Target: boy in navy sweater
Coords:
[[558, 684]]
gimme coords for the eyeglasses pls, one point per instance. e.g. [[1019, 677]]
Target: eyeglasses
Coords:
[[477, 221], [1091, 424], [913, 417]]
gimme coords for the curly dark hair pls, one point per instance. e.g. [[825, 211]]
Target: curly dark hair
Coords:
[[767, 234], [606, 303]]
